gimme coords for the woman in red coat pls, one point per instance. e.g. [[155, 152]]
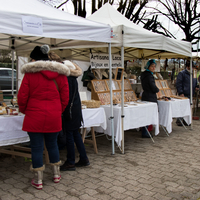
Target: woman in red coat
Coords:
[[42, 97]]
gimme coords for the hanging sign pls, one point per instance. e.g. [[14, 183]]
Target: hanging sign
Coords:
[[32, 25], [102, 61]]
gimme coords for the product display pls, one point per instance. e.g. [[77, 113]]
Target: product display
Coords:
[[12, 111], [99, 85], [129, 96], [3, 110], [117, 96], [91, 103], [104, 98], [127, 84]]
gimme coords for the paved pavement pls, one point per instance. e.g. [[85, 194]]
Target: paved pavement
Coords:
[[168, 169]]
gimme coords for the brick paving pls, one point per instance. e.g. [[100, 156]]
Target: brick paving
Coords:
[[166, 170]]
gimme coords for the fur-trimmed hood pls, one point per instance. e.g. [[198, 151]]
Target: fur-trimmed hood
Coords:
[[75, 70], [38, 66]]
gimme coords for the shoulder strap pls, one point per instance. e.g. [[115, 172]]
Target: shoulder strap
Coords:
[[56, 84]]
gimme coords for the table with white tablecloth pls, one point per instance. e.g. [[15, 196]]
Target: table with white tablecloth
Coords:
[[137, 115], [174, 108], [11, 126]]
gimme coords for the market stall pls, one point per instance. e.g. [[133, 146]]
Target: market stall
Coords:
[[134, 42], [25, 24]]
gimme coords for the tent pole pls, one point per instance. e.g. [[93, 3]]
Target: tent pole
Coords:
[[111, 100], [191, 90], [122, 102], [12, 72]]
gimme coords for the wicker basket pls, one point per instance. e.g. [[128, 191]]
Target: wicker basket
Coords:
[[91, 103]]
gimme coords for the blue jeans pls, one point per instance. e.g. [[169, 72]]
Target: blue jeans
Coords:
[[37, 147], [73, 136]]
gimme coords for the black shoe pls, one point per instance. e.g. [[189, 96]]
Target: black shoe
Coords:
[[67, 167], [82, 163]]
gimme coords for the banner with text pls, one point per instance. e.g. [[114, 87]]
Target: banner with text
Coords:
[[102, 61]]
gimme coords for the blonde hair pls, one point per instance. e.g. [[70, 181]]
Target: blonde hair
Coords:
[[53, 56]]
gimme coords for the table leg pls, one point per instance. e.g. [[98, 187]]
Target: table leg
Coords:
[[94, 140], [182, 123], [165, 130], [149, 134]]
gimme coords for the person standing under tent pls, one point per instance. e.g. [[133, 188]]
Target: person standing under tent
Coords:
[[183, 84], [42, 97], [149, 88], [72, 118]]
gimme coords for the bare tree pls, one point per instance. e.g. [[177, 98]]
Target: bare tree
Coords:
[[184, 13]]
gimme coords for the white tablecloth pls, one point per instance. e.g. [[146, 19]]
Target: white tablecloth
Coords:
[[11, 126], [135, 116], [94, 117], [173, 109], [11, 130]]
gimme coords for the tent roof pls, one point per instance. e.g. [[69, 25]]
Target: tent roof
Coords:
[[59, 27], [139, 38]]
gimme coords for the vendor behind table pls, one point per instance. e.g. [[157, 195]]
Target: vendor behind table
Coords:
[[149, 88]]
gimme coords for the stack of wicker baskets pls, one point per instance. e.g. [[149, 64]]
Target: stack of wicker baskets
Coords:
[[91, 103]]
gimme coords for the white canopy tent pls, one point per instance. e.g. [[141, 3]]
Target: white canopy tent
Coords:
[[25, 24], [143, 43], [137, 42], [57, 27]]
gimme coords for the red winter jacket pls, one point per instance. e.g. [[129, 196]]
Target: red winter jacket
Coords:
[[39, 98]]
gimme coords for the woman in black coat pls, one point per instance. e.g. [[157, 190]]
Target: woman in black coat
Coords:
[[149, 87], [71, 125]]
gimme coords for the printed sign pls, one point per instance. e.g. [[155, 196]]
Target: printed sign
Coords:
[[32, 25], [102, 61]]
